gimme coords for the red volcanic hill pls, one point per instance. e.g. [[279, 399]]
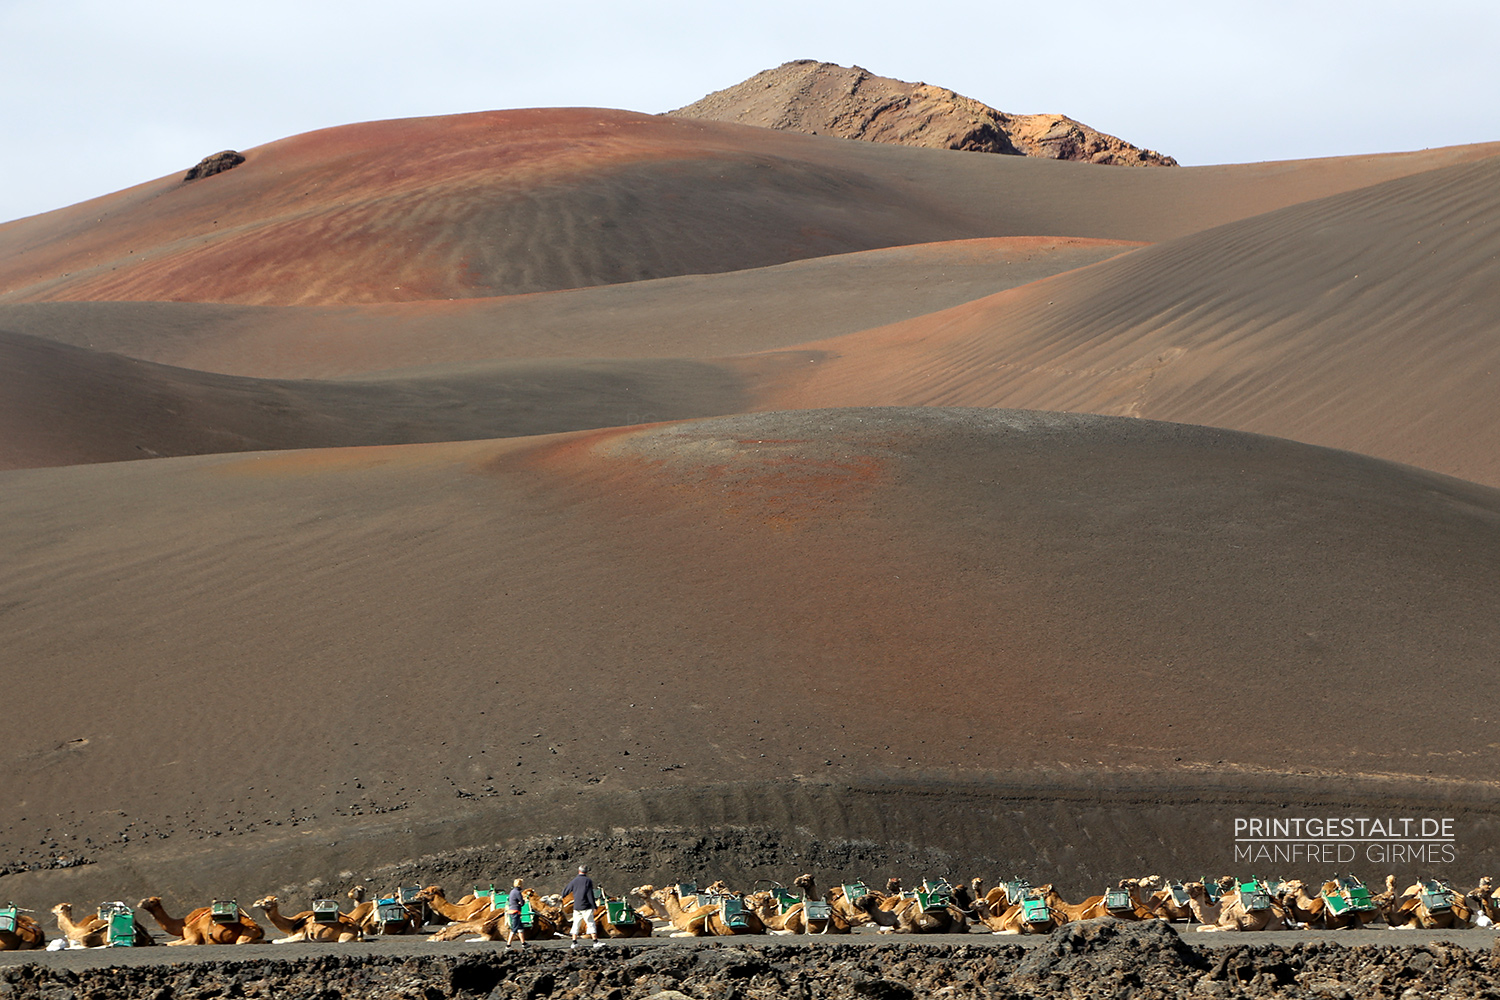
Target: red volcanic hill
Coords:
[[851, 103], [510, 202]]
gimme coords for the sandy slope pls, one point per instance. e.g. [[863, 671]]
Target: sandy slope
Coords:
[[1364, 321], [66, 405], [508, 202], [691, 316], [972, 598]]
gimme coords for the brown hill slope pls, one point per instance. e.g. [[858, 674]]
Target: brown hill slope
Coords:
[[66, 405], [511, 202], [279, 666], [851, 103], [1366, 321], [691, 316]]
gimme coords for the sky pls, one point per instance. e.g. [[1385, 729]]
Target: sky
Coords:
[[99, 95]]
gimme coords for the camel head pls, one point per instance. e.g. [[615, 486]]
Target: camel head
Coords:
[[63, 910], [644, 891], [266, 902], [433, 892], [892, 886], [805, 883], [149, 903], [357, 894]]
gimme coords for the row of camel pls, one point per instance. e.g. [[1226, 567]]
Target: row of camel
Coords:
[[940, 907]]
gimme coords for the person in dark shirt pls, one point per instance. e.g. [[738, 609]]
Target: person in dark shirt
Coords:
[[513, 904], [582, 891]]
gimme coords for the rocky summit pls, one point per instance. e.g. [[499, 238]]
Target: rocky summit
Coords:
[[852, 103]]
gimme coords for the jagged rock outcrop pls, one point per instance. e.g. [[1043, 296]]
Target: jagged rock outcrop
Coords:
[[215, 164], [852, 103]]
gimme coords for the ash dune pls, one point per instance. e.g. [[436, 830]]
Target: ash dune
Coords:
[[692, 316], [304, 659], [852, 103], [1365, 321], [501, 203], [65, 405]]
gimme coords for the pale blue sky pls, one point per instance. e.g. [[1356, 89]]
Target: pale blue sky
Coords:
[[97, 95]]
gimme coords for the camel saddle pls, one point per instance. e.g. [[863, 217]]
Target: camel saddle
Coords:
[[9, 917], [325, 911], [934, 896], [816, 909], [1016, 889], [1179, 894], [785, 900], [619, 912], [119, 921], [480, 892], [408, 893], [1436, 896], [1254, 896], [732, 912], [1118, 900], [224, 911], [390, 911], [687, 890], [1034, 909], [1351, 894]]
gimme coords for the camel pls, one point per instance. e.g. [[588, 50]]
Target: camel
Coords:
[[1170, 902], [366, 914], [906, 915], [302, 927], [92, 932], [18, 932], [640, 926], [1234, 915], [469, 907], [1205, 909], [697, 921], [991, 908], [1417, 913], [199, 926], [1392, 905], [1299, 906], [1481, 903], [490, 925], [843, 907], [795, 921], [1350, 917], [1140, 907], [1014, 919]]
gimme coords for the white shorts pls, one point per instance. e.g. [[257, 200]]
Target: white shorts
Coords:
[[584, 919]]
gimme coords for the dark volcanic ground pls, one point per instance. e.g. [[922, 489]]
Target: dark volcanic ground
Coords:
[[1095, 959]]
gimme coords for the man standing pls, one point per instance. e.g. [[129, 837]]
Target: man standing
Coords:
[[582, 891], [513, 904]]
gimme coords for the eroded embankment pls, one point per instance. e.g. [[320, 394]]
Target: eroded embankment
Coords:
[[1091, 959]]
